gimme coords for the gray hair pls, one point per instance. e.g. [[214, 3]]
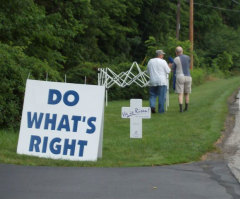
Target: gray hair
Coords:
[[179, 50]]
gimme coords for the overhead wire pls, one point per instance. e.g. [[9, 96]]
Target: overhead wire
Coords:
[[236, 2], [215, 7]]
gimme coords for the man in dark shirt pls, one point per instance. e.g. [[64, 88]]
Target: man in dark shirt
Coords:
[[181, 66]]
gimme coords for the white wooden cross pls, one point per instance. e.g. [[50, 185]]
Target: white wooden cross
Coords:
[[136, 113]]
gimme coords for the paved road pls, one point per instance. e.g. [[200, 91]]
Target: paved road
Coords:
[[233, 143], [188, 181]]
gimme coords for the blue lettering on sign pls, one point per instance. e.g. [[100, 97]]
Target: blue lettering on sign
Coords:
[[37, 120], [49, 121], [64, 123], [70, 147], [56, 146], [34, 143], [91, 125], [45, 141], [75, 119], [82, 144], [51, 94], [73, 93], [55, 96]]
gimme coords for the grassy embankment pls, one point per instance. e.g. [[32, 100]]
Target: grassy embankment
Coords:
[[167, 139]]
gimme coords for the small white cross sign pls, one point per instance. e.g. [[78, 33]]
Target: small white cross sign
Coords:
[[136, 112]]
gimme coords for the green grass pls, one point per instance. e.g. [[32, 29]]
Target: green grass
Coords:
[[168, 138]]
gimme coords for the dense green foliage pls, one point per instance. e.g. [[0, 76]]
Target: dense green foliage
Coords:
[[15, 68], [165, 139], [75, 37]]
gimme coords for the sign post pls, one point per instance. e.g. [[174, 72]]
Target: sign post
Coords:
[[62, 121], [136, 113]]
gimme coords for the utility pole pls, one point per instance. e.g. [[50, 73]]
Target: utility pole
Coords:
[[191, 30], [178, 20]]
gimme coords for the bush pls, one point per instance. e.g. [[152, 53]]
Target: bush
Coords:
[[223, 62], [169, 47], [14, 69], [222, 48], [198, 76], [88, 69]]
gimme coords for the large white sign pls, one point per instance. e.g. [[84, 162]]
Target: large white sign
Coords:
[[136, 112], [62, 121]]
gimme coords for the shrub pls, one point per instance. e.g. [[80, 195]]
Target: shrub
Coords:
[[198, 76], [88, 69], [223, 62], [14, 69]]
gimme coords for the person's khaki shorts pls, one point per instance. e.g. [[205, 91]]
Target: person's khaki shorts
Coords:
[[183, 84]]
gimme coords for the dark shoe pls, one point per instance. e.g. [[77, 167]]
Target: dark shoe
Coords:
[[186, 107], [153, 110], [180, 107]]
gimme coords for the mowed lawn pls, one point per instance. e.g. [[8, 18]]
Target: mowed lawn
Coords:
[[168, 138]]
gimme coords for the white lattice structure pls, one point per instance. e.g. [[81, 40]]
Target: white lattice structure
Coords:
[[107, 78]]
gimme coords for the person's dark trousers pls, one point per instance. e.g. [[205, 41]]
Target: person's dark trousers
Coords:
[[180, 108], [153, 92], [160, 92]]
